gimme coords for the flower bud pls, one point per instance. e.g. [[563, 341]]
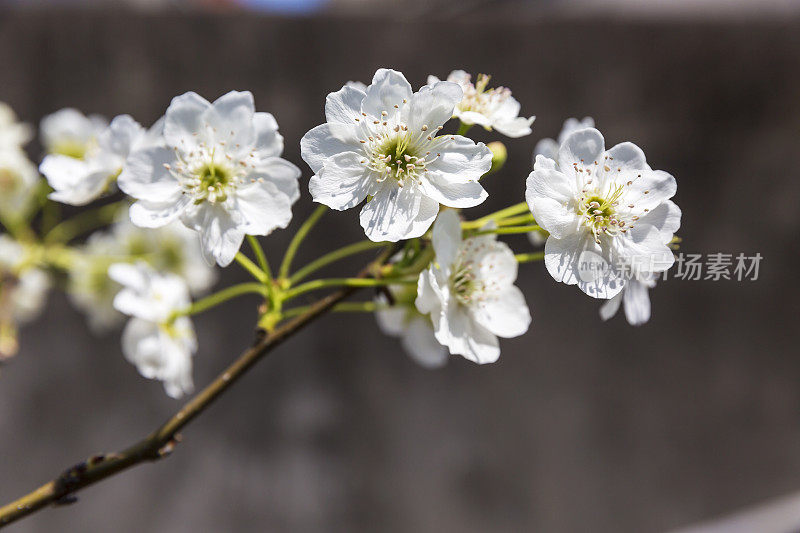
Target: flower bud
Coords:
[[499, 156]]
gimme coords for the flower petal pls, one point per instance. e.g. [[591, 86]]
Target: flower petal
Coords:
[[582, 147], [515, 127], [505, 313], [145, 176], [637, 303], [388, 92], [184, 125], [432, 106], [461, 160], [343, 182], [452, 194], [263, 207], [283, 174], [446, 238], [327, 140], [421, 344], [268, 143], [396, 213], [610, 307], [147, 214], [466, 338], [231, 120], [666, 217], [344, 105], [220, 234]]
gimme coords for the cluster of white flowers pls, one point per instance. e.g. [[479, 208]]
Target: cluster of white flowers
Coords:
[[490, 108], [383, 145], [160, 344], [207, 174], [23, 290], [218, 170], [18, 176], [170, 249], [608, 214]]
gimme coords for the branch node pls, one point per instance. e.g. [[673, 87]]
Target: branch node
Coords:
[[169, 447]]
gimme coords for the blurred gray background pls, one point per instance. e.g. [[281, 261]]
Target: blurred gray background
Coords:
[[582, 426]]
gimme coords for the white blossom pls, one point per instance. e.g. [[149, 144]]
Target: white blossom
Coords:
[[382, 145], [219, 173], [172, 248], [634, 299], [13, 135], [69, 132], [160, 345], [549, 147], [18, 183], [608, 213], [23, 292], [80, 174], [415, 330], [469, 292], [491, 108]]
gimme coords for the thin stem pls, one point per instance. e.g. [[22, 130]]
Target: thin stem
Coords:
[[463, 129], [344, 307], [224, 295], [333, 256], [260, 255], [84, 222], [516, 221], [251, 267], [163, 440], [343, 282], [508, 231], [515, 209], [529, 258], [286, 264]]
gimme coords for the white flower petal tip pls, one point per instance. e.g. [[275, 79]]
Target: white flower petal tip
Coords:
[[382, 143], [469, 292], [217, 169], [491, 108], [635, 300], [608, 214]]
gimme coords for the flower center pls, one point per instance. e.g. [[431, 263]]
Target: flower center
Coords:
[[599, 213], [478, 98], [210, 181], [73, 149], [396, 157], [463, 283]]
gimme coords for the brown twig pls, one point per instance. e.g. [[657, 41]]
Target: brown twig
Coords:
[[162, 441]]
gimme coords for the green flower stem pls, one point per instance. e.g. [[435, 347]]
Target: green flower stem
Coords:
[[344, 307], [252, 268], [84, 222], [516, 221], [507, 231], [286, 264], [224, 295], [529, 258], [464, 128], [333, 256], [344, 282], [515, 209], [260, 256]]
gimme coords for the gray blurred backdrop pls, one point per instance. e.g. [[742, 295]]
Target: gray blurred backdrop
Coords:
[[582, 426]]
